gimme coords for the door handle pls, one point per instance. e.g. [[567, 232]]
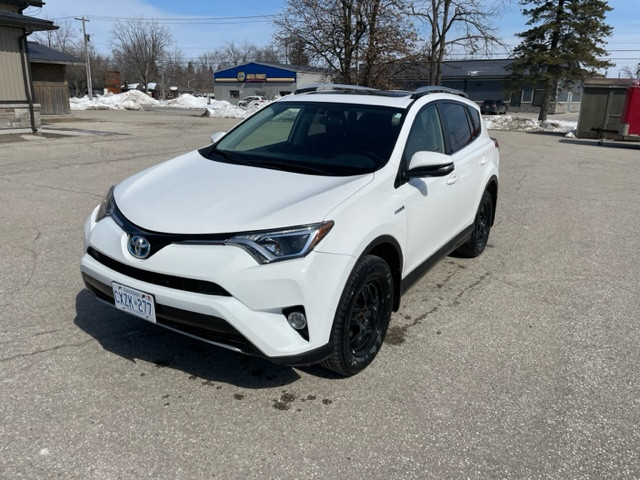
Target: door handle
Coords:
[[484, 160], [452, 179]]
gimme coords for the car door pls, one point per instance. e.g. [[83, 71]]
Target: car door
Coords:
[[430, 201], [463, 128]]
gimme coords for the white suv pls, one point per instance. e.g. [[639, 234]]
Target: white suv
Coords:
[[294, 235]]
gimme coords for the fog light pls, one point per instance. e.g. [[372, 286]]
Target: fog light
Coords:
[[297, 320]]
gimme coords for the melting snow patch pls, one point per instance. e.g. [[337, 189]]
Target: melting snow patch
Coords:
[[222, 109], [131, 100], [137, 100], [521, 124]]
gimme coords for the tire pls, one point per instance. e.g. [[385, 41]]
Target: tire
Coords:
[[362, 317], [481, 228]]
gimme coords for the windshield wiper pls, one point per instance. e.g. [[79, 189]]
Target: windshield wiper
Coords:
[[227, 155], [294, 167], [266, 162]]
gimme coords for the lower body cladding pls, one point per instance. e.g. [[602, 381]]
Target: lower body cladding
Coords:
[[219, 294]]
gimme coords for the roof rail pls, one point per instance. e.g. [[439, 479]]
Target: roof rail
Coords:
[[334, 87], [420, 92]]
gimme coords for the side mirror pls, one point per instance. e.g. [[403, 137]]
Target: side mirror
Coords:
[[429, 164], [217, 136]]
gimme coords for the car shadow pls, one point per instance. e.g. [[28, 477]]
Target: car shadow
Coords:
[[135, 339], [605, 143], [547, 134]]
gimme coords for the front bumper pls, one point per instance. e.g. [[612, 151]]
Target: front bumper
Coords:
[[219, 294]]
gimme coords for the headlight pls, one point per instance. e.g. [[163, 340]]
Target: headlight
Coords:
[[278, 245], [106, 206]]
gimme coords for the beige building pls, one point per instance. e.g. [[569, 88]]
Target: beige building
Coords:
[[18, 110]]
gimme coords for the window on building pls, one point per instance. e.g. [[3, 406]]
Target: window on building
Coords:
[[234, 93]]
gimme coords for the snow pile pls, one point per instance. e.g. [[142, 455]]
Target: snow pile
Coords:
[[137, 100], [226, 110], [187, 100], [131, 100], [521, 124]]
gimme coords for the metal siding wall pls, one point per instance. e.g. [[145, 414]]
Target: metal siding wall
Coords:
[[11, 79]]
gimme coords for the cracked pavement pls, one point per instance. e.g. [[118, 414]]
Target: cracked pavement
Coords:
[[522, 363]]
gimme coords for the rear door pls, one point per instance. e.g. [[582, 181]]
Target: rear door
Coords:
[[469, 150]]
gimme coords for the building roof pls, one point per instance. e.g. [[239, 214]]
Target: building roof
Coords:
[[457, 70], [9, 19], [608, 82], [281, 66], [496, 68], [41, 54], [24, 3], [296, 68]]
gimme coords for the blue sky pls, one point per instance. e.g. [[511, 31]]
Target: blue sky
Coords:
[[196, 37]]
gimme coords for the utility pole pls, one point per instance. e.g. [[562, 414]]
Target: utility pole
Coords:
[[86, 56]]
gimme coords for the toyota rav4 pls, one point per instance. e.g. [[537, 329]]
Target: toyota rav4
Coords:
[[294, 235]]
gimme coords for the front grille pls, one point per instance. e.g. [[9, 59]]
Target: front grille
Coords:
[[170, 281]]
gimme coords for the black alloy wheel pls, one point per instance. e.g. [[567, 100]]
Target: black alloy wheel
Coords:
[[481, 228], [362, 317]]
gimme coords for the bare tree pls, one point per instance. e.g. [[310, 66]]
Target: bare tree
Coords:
[[342, 34], [631, 72], [139, 45], [204, 68], [233, 53], [68, 39], [451, 24], [268, 54], [65, 39], [76, 75], [171, 71], [293, 50]]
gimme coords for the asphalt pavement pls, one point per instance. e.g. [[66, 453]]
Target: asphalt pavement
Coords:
[[520, 364]]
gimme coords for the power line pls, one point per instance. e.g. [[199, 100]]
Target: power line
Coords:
[[243, 19]]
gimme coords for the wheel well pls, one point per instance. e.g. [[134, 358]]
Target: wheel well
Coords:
[[389, 251], [492, 188]]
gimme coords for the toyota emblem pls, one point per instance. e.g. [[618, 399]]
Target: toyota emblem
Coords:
[[139, 246]]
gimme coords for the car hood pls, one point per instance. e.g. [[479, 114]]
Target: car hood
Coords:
[[191, 194]]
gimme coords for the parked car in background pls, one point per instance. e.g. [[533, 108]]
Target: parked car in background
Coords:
[[294, 235], [251, 101], [493, 107]]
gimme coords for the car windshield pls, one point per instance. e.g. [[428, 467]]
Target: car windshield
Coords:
[[313, 138]]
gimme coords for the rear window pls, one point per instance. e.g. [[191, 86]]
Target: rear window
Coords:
[[476, 123], [456, 124]]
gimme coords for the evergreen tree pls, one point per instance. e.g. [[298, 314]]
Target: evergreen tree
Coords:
[[564, 45]]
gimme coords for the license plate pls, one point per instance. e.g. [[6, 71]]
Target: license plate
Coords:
[[134, 302]]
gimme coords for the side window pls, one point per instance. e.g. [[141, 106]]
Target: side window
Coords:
[[475, 122], [425, 133], [456, 125]]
